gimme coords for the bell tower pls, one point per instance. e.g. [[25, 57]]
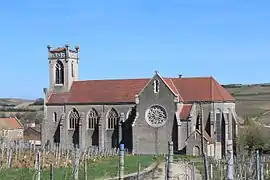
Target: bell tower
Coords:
[[63, 67]]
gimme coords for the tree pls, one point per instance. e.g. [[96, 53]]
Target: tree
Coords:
[[253, 135]]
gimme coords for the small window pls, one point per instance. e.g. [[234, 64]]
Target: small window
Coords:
[[72, 69], [54, 117], [156, 86]]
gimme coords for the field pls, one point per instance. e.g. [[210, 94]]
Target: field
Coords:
[[253, 101], [98, 169], [23, 162]]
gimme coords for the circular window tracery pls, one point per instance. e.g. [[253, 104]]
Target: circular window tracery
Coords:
[[156, 116]]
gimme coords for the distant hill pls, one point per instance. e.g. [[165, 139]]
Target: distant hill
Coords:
[[26, 110], [252, 100], [14, 101]]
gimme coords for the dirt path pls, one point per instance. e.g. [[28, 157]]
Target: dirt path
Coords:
[[180, 170]]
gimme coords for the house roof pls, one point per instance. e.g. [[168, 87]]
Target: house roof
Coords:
[[124, 90], [185, 112], [10, 123], [31, 133]]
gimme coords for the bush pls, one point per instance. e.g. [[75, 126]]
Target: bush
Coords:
[[253, 136]]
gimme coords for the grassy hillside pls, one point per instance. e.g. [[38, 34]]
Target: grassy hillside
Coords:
[[24, 109], [252, 101], [14, 101]]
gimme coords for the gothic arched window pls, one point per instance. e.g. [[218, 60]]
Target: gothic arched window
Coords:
[[92, 119], [59, 73], [74, 119], [112, 119]]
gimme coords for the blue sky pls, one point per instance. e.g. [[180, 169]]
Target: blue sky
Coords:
[[229, 40]]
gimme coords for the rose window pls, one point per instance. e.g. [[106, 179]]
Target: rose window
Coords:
[[156, 116]]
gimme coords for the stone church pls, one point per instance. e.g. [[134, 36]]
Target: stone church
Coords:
[[144, 114]]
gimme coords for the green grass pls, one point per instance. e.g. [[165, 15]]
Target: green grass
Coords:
[[95, 170]]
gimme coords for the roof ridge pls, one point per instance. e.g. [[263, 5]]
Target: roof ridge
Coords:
[[33, 129], [113, 79], [167, 77], [218, 88], [18, 121], [195, 77], [175, 88], [164, 81]]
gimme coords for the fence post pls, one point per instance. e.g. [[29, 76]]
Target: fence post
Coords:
[[166, 166], [170, 161], [121, 162], [122, 119], [267, 169], [193, 172], [139, 169], [76, 164], [85, 168], [8, 152], [257, 165], [38, 167], [51, 172], [261, 165], [230, 168], [211, 170]]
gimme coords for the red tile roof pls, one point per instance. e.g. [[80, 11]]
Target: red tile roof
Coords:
[[31, 133], [124, 90], [10, 123], [184, 114], [201, 89], [170, 84]]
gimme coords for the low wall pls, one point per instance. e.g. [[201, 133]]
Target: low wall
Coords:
[[144, 174]]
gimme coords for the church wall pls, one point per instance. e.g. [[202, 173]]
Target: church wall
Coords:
[[222, 107], [49, 125], [209, 110], [148, 139], [194, 143], [90, 137], [183, 135], [142, 142], [112, 135]]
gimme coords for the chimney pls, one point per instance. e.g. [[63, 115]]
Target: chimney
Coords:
[[180, 76]]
